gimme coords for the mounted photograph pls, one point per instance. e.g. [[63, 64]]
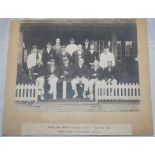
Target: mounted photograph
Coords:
[[77, 77]]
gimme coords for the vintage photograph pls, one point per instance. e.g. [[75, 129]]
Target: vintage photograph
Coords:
[[78, 66]]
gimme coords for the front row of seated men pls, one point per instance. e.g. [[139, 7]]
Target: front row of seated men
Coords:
[[80, 74]]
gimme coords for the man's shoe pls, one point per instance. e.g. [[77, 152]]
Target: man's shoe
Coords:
[[42, 97], [91, 97], [84, 95], [75, 95]]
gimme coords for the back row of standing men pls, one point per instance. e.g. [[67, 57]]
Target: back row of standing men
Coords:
[[79, 65]]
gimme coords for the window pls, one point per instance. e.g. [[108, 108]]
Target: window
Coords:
[[119, 51], [130, 49]]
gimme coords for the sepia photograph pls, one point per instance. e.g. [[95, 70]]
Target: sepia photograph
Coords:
[[78, 65], [78, 77]]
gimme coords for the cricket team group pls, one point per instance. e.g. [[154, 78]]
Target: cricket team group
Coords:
[[81, 65]]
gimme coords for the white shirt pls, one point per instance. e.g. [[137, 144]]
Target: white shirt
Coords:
[[31, 60], [71, 48], [105, 57]]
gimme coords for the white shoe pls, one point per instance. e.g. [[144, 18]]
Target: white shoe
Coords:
[[42, 97], [88, 96], [91, 97], [75, 95], [84, 95], [50, 92], [54, 98]]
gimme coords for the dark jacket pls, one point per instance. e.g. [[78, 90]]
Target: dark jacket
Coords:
[[96, 74], [75, 58], [46, 57], [109, 73], [37, 71], [66, 72], [60, 59], [57, 49], [90, 58], [50, 72], [80, 72]]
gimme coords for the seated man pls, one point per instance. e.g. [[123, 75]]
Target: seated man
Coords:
[[66, 70], [110, 74], [80, 77], [95, 75], [52, 78], [38, 76]]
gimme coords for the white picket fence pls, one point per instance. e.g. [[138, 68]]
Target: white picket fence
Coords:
[[124, 91], [26, 92]]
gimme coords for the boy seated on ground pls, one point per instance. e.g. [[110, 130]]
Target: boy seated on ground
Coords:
[[38, 77], [95, 75], [52, 78], [80, 76], [110, 74]]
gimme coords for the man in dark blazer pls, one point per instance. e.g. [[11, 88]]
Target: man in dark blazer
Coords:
[[96, 74], [52, 74], [61, 56], [80, 76], [38, 75], [48, 54], [92, 55], [110, 73], [77, 55]]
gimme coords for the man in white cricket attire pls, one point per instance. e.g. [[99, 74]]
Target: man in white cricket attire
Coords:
[[72, 47], [105, 57]]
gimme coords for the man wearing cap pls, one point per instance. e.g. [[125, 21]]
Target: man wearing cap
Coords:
[[38, 73], [72, 47], [96, 74], [92, 55], [48, 54], [80, 77], [52, 78], [57, 46], [79, 54], [32, 59], [105, 57]]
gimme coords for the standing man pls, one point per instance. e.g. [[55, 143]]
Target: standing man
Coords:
[[61, 56], [80, 77], [72, 47], [32, 59], [86, 45], [86, 49], [92, 55], [38, 74], [105, 57], [76, 56], [57, 47], [48, 54]]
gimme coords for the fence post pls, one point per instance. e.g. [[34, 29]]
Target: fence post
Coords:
[[64, 87]]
